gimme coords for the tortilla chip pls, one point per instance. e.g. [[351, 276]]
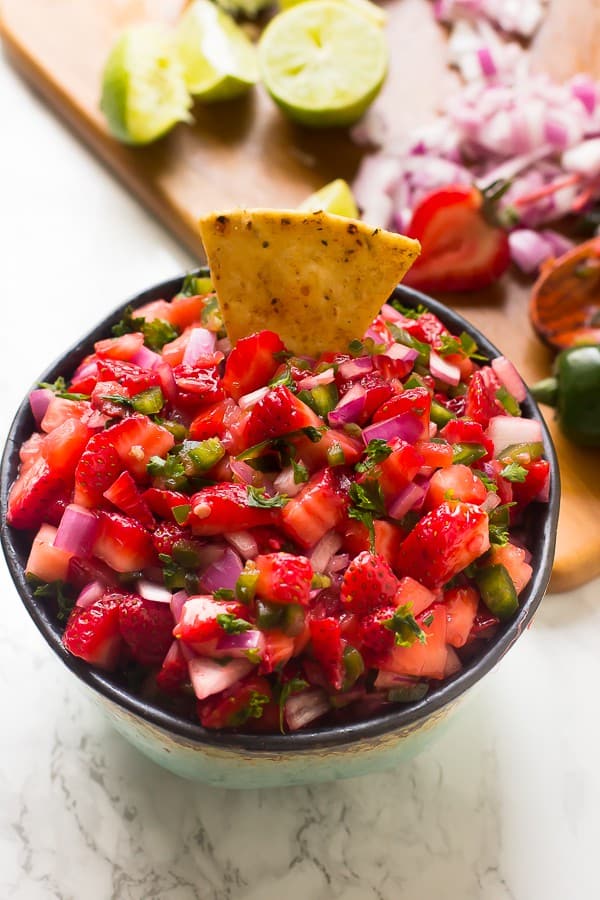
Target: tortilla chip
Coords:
[[316, 279]]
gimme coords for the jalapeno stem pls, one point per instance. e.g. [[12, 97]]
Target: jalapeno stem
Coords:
[[546, 391]]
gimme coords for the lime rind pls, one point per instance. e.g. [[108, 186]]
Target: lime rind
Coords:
[[323, 63], [143, 87], [372, 12], [219, 61], [336, 198]]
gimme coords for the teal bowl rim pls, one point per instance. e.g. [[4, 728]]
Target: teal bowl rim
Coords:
[[541, 529]]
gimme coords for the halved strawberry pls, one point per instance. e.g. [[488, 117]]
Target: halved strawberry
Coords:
[[133, 378], [461, 608], [125, 495], [368, 583], [252, 363], [426, 660], [284, 578], [443, 543], [93, 634], [239, 705], [318, 507], [198, 623], [166, 534], [146, 628], [226, 507], [327, 647], [373, 636], [456, 482], [278, 413], [123, 543], [174, 670]]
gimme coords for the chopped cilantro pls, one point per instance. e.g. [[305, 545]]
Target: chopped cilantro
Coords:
[[514, 472], [377, 450], [367, 504], [173, 575], [168, 474], [231, 624], [156, 333], [300, 471], [499, 521], [409, 312], [405, 627], [59, 389], [258, 497], [256, 705], [284, 379], [463, 344], [54, 590], [118, 400], [401, 336], [224, 594], [293, 686], [488, 482]]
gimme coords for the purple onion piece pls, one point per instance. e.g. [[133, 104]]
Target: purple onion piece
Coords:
[[405, 425], [39, 401], [350, 406], [223, 573], [77, 531]]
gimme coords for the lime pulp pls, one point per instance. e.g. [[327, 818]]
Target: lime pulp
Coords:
[[335, 197]]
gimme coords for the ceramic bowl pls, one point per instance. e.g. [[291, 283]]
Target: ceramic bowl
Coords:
[[319, 753]]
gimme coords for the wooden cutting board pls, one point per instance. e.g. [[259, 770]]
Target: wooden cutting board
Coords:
[[244, 153]]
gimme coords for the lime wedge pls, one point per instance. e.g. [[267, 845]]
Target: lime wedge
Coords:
[[323, 63], [218, 59], [368, 9], [143, 87], [336, 197]]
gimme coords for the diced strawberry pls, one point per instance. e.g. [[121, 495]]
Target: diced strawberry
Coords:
[[97, 469], [133, 378], [399, 469], [413, 592], [47, 562], [226, 507], [252, 363], [146, 628], [166, 534], [388, 538], [63, 447], [186, 311], [457, 482], [82, 571], [136, 439], [377, 392], [173, 352], [107, 398], [514, 560], [538, 473], [60, 410], [427, 327], [124, 347], [435, 455], [86, 375], [314, 453], [174, 670], [198, 623], [156, 309], [123, 543], [125, 495], [481, 402], [327, 647], [368, 583], [426, 660], [209, 422], [415, 400], [239, 705], [30, 451], [443, 543], [461, 608], [197, 386], [373, 636], [467, 431], [278, 650], [93, 634], [278, 413], [162, 502], [284, 578], [36, 488], [316, 509]]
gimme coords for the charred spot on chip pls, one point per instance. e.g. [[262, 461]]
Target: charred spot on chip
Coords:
[[305, 290], [265, 244], [352, 228], [286, 221], [324, 242], [274, 301], [221, 224]]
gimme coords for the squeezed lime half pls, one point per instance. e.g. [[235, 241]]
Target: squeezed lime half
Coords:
[[368, 9], [143, 86], [335, 197], [323, 63], [219, 61]]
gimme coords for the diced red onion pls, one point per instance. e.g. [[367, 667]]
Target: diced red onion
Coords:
[[313, 381], [584, 158], [39, 401], [284, 483], [302, 709], [405, 425], [146, 358], [509, 377], [386, 680], [89, 594], [486, 61], [349, 407], [201, 343], [528, 249], [177, 603], [324, 549], [389, 314], [338, 563], [244, 472], [399, 351], [77, 531], [157, 593], [453, 663], [210, 553], [406, 500], [86, 370], [223, 573], [584, 88], [250, 399], [243, 542], [237, 645], [167, 381], [433, 429], [354, 368], [443, 370], [209, 677], [506, 430], [491, 501]]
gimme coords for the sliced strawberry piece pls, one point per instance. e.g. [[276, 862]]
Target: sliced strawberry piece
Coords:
[[47, 562], [62, 448], [163, 502], [373, 635], [326, 640], [93, 634], [239, 705], [60, 410], [186, 311], [314, 454], [457, 482], [133, 378], [278, 650], [435, 455], [107, 399], [86, 375], [415, 400], [318, 507], [427, 327], [124, 347], [426, 660], [278, 413], [460, 251], [124, 494], [368, 583], [198, 622], [30, 451], [123, 543], [136, 439], [156, 309], [252, 363], [468, 431], [443, 543], [36, 488], [197, 385], [413, 592], [461, 608], [97, 469], [514, 560], [226, 507], [481, 402], [538, 473], [210, 422], [399, 469], [174, 670], [174, 351], [388, 538], [146, 628], [284, 578]]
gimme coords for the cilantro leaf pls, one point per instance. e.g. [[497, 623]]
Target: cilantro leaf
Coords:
[[463, 344], [156, 333], [231, 624], [487, 482], [293, 686], [59, 389], [224, 594], [409, 312], [514, 472], [401, 336], [377, 450], [118, 400], [499, 522], [300, 471], [54, 590], [257, 497], [284, 379], [367, 504], [168, 474], [405, 627]]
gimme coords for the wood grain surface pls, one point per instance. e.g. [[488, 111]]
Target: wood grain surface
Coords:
[[244, 153]]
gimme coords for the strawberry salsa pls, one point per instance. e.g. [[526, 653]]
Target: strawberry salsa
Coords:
[[264, 541]]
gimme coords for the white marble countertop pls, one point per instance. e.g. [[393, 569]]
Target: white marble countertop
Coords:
[[504, 805]]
